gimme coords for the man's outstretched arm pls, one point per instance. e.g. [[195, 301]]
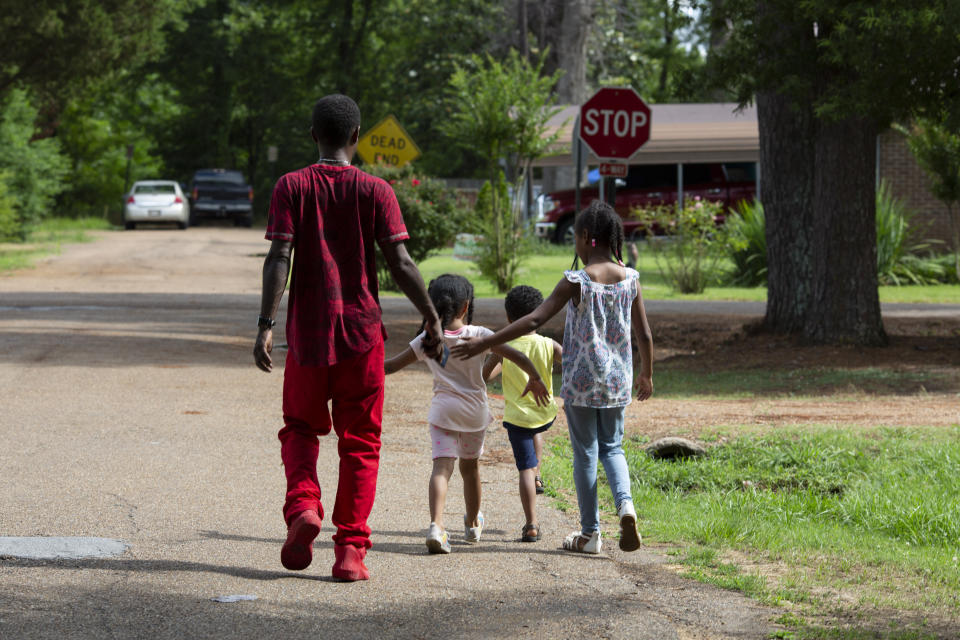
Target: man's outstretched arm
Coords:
[[276, 269], [410, 282]]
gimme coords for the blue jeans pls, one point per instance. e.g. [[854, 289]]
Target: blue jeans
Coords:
[[597, 433]]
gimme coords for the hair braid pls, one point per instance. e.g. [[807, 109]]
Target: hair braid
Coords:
[[449, 293], [600, 220]]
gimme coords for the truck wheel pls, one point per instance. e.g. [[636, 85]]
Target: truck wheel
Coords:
[[130, 226], [565, 232], [243, 221], [182, 225]]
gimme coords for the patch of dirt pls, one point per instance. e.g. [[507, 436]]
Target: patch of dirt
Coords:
[[727, 342]]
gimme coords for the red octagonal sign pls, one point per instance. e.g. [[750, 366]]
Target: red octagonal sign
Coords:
[[614, 123]]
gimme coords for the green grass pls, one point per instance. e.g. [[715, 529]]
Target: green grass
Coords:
[[873, 514], [46, 239], [544, 269], [680, 380]]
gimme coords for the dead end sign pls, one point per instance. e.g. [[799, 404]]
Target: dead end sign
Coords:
[[388, 143]]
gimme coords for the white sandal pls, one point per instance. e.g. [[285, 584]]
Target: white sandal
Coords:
[[580, 543]]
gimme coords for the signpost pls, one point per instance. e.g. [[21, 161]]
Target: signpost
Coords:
[[388, 143], [614, 124]]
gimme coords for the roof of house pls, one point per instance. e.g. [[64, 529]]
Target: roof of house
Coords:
[[701, 132]]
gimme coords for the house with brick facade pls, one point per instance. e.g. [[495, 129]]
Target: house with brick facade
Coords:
[[720, 132]]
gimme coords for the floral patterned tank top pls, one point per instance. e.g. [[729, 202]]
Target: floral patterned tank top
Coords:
[[597, 357]]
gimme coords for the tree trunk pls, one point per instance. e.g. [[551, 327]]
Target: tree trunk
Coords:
[[571, 50], [844, 252], [786, 173]]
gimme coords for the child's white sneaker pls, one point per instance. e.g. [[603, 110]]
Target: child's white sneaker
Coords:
[[629, 536], [472, 534], [581, 543], [437, 539]]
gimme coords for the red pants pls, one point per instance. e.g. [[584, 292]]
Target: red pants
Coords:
[[356, 388]]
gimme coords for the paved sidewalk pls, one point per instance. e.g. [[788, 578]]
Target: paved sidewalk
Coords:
[[132, 411]]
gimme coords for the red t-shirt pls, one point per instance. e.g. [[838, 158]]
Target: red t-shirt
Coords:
[[333, 215]]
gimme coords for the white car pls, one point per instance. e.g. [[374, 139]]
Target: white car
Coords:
[[156, 201]]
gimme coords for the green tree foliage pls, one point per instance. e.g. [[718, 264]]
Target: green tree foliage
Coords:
[[9, 222], [652, 46], [937, 149], [500, 261], [501, 109], [33, 169], [828, 77], [95, 132], [56, 46]]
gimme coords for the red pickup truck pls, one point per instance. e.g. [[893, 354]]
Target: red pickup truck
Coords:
[[649, 186]]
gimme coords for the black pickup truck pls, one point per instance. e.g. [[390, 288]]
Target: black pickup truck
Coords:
[[221, 194]]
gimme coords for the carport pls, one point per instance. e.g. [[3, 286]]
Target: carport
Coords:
[[679, 134]]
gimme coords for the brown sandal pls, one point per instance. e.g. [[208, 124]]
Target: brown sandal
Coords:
[[530, 533]]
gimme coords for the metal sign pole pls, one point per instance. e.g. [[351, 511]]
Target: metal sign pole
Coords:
[[578, 156]]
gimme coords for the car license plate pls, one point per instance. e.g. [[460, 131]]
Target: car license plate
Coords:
[[153, 212]]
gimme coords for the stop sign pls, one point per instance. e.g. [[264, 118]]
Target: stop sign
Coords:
[[614, 123]]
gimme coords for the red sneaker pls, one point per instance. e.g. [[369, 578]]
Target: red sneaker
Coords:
[[349, 566], [297, 551]]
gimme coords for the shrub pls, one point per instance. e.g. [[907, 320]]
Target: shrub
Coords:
[[9, 223], [936, 147], [689, 255], [897, 262], [34, 168], [431, 211], [747, 229], [500, 261], [501, 110]]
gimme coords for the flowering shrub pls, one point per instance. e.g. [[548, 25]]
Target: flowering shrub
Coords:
[[431, 211], [695, 243]]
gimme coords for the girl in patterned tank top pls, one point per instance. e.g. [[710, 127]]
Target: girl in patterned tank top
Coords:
[[605, 315]]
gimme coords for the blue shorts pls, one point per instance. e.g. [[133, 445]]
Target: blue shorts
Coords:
[[521, 439]]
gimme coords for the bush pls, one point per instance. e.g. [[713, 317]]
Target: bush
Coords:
[[747, 229], [34, 169], [897, 261], [499, 261], [432, 212], [9, 223], [689, 255]]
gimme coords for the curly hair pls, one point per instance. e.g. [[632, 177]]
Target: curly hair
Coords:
[[602, 224], [335, 117], [520, 301], [449, 293]]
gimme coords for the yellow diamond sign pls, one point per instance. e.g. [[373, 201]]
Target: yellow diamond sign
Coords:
[[388, 143]]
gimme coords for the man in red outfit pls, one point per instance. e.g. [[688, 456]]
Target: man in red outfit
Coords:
[[329, 215]]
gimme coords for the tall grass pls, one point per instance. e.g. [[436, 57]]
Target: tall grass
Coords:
[[748, 247]]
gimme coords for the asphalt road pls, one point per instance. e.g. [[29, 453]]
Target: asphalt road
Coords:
[[132, 411]]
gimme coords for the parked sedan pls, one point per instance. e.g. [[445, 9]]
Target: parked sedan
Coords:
[[156, 201]]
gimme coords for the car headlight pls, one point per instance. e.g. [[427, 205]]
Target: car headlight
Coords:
[[546, 204]]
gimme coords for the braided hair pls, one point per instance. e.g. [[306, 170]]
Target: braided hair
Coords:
[[602, 224], [449, 293]]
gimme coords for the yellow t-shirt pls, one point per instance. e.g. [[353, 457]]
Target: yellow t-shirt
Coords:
[[524, 411]]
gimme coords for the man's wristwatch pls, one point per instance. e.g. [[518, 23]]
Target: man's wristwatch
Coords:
[[265, 323]]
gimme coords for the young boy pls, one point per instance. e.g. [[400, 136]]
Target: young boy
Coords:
[[331, 214], [524, 420]]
